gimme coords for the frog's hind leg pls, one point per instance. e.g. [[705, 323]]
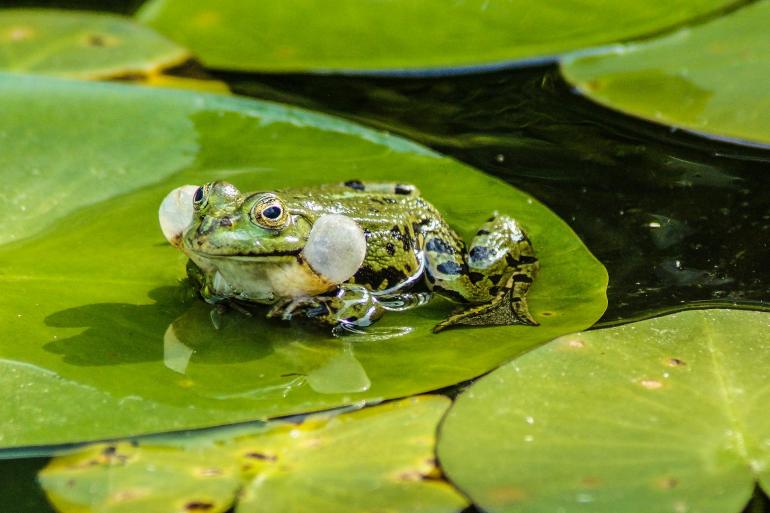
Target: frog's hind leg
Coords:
[[493, 275]]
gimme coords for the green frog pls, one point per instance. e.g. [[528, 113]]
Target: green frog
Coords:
[[344, 254]]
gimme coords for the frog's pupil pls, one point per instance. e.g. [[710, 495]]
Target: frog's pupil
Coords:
[[272, 212], [198, 197]]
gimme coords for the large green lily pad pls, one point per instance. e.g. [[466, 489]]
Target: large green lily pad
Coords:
[[668, 414], [710, 79], [404, 35], [82, 45], [376, 459], [101, 338]]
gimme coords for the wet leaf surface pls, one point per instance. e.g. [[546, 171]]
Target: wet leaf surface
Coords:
[[376, 459], [402, 35], [103, 340], [667, 413], [709, 79], [80, 44]]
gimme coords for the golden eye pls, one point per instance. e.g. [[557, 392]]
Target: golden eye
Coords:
[[201, 197], [269, 212]]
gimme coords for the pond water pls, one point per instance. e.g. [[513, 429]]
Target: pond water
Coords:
[[675, 218]]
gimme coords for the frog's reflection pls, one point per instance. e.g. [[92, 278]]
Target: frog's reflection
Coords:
[[327, 365], [175, 344]]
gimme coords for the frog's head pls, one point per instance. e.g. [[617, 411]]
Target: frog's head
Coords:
[[227, 223]]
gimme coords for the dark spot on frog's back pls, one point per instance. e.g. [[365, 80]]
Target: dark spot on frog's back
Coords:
[[382, 278], [390, 248], [523, 260], [475, 277], [406, 240], [355, 185], [451, 294], [404, 189], [522, 278]]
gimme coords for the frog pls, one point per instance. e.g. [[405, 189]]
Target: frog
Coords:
[[342, 255]]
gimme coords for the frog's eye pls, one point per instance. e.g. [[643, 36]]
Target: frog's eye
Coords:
[[272, 212], [201, 197], [269, 213]]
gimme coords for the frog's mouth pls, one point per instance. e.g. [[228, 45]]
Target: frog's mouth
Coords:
[[251, 257]]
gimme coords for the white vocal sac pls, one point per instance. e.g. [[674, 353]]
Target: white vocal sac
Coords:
[[336, 247]]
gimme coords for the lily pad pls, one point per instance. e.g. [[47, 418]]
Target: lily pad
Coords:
[[404, 35], [710, 79], [103, 339], [668, 413], [376, 459], [82, 45]]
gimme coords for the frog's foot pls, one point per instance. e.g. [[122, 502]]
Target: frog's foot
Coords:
[[349, 306], [505, 309]]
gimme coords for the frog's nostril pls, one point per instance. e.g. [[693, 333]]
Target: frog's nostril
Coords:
[[226, 221]]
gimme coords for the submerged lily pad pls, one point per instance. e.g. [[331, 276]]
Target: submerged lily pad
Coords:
[[376, 459], [710, 79], [668, 413], [102, 340], [82, 45], [404, 35]]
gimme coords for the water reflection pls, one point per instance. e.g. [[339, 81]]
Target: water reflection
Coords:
[[241, 356], [327, 367]]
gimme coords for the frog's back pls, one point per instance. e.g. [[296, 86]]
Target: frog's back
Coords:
[[394, 219]]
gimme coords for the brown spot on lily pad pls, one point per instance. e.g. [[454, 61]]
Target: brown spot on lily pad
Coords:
[[592, 85], [256, 455], [100, 40], [667, 483], [198, 506], [591, 481], [507, 495], [675, 362]]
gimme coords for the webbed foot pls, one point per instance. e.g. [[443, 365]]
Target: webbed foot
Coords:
[[505, 309]]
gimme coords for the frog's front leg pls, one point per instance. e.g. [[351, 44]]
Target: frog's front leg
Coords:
[[348, 306], [493, 276], [201, 282]]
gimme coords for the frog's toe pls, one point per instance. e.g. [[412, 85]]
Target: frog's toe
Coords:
[[505, 310], [307, 306]]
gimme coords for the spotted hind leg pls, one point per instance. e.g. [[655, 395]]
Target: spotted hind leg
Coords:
[[492, 277]]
